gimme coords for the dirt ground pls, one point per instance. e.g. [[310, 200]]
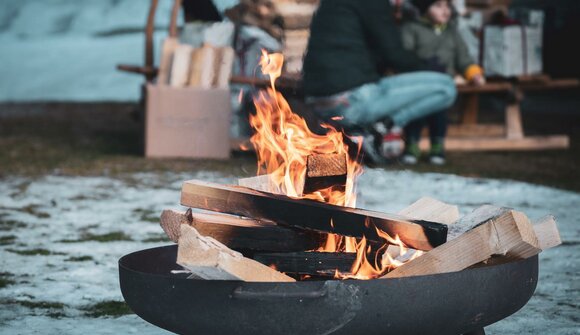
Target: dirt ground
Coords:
[[106, 138]]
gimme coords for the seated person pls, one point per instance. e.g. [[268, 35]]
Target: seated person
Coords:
[[435, 38], [351, 45]]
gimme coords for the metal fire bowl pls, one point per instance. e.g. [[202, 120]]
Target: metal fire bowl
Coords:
[[451, 303]]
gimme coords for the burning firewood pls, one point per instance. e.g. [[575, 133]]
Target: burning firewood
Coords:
[[313, 215], [240, 233], [491, 231], [309, 263], [207, 258], [322, 171]]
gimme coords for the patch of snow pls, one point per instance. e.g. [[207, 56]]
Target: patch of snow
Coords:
[[55, 209]]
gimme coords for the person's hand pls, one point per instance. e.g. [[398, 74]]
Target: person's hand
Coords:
[[478, 80]]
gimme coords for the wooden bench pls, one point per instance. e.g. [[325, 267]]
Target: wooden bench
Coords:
[[469, 134]]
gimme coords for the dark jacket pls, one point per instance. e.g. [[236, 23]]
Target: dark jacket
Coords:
[[351, 43], [444, 44]]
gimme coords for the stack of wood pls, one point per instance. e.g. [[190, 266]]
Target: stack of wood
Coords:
[[205, 67], [252, 235], [296, 15]]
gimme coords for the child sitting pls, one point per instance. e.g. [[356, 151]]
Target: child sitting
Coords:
[[435, 38]]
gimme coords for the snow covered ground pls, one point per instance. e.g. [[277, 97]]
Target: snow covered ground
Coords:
[[61, 237]]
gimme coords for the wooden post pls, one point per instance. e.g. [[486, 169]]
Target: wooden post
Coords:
[[207, 258]]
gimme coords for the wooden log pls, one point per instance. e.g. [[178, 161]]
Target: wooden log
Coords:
[[309, 262], [241, 233], [433, 210], [506, 233], [180, 66], [307, 214], [428, 209], [224, 68], [167, 52], [260, 183], [207, 258], [547, 232], [326, 165]]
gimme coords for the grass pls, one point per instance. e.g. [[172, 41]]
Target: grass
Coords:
[[7, 240], [109, 308], [108, 237], [79, 259], [52, 309], [9, 225], [103, 139], [6, 279], [156, 239], [34, 252], [147, 215]]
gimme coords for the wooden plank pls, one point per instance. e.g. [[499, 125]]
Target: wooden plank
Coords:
[[180, 66], [207, 258], [309, 263], [490, 87], [547, 232], [167, 51], [476, 130], [428, 209], [260, 183], [507, 233], [550, 85], [513, 121], [241, 233], [312, 215], [503, 144], [225, 67], [433, 210]]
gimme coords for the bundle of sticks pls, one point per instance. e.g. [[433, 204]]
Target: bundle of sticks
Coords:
[[248, 234]]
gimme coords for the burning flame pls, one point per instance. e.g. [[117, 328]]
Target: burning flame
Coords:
[[283, 142]]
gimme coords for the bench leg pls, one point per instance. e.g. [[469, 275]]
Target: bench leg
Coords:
[[471, 109], [513, 120]]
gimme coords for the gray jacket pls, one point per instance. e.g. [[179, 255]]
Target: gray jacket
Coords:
[[446, 46]]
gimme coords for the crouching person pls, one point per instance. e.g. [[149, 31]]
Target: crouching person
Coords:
[[351, 45]]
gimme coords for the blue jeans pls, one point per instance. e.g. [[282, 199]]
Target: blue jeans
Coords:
[[402, 98]]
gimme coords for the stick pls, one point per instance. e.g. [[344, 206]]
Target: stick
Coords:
[[507, 232], [311, 215], [180, 66], [207, 258], [240, 233]]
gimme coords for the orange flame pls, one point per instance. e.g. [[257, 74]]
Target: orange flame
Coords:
[[283, 142]]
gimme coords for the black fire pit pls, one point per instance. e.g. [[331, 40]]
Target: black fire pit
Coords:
[[452, 303]]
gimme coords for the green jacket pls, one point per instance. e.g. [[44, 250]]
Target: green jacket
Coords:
[[351, 43], [446, 46]]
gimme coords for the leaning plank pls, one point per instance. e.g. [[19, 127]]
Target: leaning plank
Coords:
[[207, 258], [308, 262], [240, 233], [508, 233], [260, 183], [547, 232], [428, 209], [417, 234]]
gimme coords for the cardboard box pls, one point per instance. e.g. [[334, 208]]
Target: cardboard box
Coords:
[[187, 122], [512, 51]]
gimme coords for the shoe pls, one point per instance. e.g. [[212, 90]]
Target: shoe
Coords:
[[369, 148], [411, 154], [437, 154], [392, 144]]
